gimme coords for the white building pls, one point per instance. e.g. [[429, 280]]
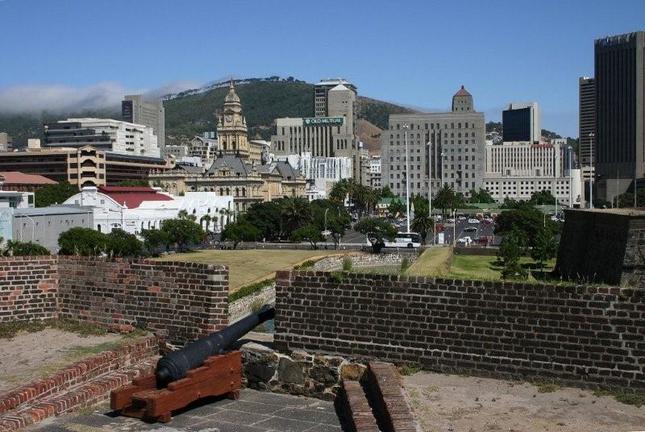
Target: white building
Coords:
[[320, 172], [104, 134], [516, 170], [16, 199], [374, 180], [134, 209]]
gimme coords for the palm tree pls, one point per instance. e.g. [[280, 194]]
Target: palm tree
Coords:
[[422, 224], [207, 220]]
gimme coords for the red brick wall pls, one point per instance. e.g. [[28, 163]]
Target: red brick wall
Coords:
[[28, 288], [582, 334], [179, 301]]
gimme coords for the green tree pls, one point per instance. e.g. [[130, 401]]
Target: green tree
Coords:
[[310, 233], [54, 194], [422, 224], [446, 200], [396, 207], [481, 196], [295, 212], [18, 248], [386, 192], [206, 220], [526, 219], [510, 251], [543, 197], [544, 247], [155, 241], [267, 217], [240, 231], [123, 244], [183, 215], [377, 231], [82, 241], [331, 217], [183, 232]]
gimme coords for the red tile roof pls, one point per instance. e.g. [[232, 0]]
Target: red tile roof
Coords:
[[17, 177], [133, 196], [462, 92]]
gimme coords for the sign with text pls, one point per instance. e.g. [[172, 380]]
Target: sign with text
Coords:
[[323, 121]]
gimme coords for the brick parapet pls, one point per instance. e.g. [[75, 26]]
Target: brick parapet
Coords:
[[585, 335], [80, 372]]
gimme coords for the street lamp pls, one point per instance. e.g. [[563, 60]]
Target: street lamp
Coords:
[[591, 169], [430, 186], [407, 175]]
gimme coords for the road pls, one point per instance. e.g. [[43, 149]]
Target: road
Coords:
[[459, 229]]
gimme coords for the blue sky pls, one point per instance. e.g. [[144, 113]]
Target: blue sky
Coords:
[[416, 53]]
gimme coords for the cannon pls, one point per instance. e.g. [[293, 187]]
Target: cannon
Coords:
[[204, 367], [176, 364]]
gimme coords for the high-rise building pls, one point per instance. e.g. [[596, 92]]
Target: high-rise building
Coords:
[[321, 91], [586, 128], [454, 142], [521, 122], [619, 144], [103, 134], [135, 110], [6, 143]]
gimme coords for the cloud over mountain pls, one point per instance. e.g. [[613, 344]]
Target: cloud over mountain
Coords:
[[61, 98]]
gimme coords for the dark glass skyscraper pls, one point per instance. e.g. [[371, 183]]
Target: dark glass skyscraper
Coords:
[[620, 115]]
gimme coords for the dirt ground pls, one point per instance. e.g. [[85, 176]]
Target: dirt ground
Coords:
[[28, 356], [467, 404]]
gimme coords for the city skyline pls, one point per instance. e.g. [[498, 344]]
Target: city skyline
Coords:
[[516, 51]]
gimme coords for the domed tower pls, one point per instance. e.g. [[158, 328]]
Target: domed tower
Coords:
[[231, 127], [462, 101]]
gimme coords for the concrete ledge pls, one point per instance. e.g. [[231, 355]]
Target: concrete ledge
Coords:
[[388, 399]]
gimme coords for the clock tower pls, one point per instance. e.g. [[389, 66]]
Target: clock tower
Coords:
[[231, 127]]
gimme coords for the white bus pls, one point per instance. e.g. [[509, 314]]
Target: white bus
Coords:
[[401, 240]]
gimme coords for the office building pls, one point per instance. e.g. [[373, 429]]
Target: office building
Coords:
[[6, 142], [517, 170], [521, 122], [321, 92], [619, 144], [331, 135], [454, 142], [374, 172], [320, 172], [103, 134], [152, 114], [85, 166]]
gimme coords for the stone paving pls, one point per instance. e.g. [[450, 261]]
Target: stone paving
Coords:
[[253, 412]]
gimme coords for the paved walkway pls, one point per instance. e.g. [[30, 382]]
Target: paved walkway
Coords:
[[253, 412]]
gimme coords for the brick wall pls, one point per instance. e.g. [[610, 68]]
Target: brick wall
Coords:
[[585, 335], [179, 301], [28, 288]]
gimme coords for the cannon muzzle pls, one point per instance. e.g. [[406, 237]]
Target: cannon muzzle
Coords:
[[175, 365]]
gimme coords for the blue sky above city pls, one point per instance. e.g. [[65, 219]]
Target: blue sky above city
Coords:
[[415, 53]]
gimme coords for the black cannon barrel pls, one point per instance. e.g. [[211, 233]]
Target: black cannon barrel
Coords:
[[176, 364]]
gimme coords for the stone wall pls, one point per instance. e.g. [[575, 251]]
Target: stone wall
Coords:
[[364, 260], [299, 373], [28, 288], [603, 246], [585, 335], [178, 301], [244, 306]]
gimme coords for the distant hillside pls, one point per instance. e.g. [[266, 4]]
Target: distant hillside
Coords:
[[370, 135], [193, 112]]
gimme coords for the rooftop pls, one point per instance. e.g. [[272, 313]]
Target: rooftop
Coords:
[[17, 177], [52, 210], [462, 92], [133, 196]]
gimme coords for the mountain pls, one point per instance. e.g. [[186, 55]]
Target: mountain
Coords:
[[194, 111]]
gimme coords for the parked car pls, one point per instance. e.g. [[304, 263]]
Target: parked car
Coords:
[[451, 221], [473, 221], [465, 241], [470, 229]]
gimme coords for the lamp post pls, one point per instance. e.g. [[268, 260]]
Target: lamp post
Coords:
[[430, 186], [407, 176], [591, 169]]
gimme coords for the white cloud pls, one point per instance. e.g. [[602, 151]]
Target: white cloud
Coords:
[[60, 98]]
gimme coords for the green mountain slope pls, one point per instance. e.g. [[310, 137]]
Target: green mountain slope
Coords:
[[194, 112]]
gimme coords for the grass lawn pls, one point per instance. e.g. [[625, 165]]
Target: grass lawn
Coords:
[[435, 262], [252, 265]]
